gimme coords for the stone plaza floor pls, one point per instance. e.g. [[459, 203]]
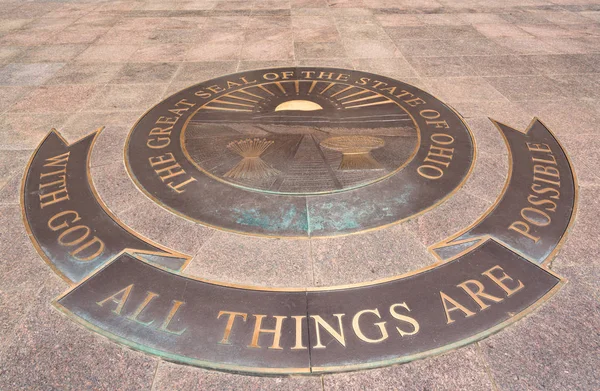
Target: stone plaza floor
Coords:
[[78, 65]]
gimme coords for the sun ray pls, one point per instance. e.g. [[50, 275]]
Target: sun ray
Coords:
[[240, 98], [341, 91], [361, 99], [354, 94], [278, 84], [326, 88], [231, 103], [265, 90], [385, 102], [251, 94], [226, 109]]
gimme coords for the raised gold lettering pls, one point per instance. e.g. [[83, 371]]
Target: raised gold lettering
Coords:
[[165, 325], [134, 315], [119, 298], [499, 280], [337, 335], [478, 295], [455, 306], [230, 320], [380, 325], [412, 321], [276, 331]]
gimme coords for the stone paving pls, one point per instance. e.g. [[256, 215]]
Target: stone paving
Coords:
[[78, 65]]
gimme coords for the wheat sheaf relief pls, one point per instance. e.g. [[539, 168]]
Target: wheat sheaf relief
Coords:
[[356, 151], [251, 166]]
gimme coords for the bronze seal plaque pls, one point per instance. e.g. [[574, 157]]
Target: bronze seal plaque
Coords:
[[300, 152], [303, 155]]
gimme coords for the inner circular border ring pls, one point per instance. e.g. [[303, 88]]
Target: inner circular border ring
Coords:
[[393, 172], [288, 218]]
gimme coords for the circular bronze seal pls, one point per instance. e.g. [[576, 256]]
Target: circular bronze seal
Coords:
[[300, 152]]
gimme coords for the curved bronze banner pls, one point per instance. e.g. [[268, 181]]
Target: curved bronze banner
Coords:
[[467, 297], [130, 290], [288, 332], [68, 224], [537, 204]]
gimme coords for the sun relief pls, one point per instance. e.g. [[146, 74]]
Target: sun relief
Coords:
[[299, 105]]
